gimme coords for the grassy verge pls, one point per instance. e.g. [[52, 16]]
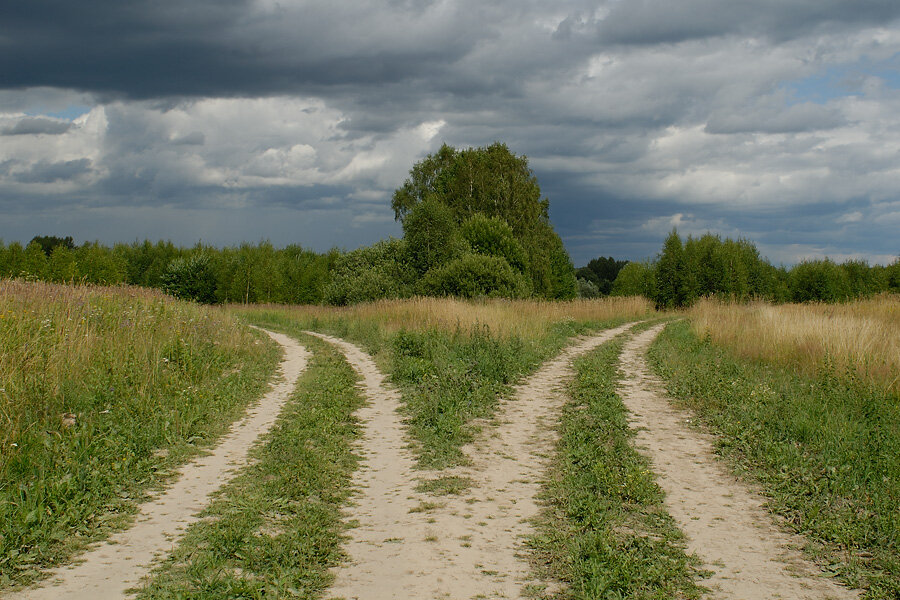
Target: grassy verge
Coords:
[[603, 531], [825, 448], [451, 367], [274, 531], [103, 391]]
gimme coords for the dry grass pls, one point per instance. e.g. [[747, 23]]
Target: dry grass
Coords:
[[860, 338], [526, 319]]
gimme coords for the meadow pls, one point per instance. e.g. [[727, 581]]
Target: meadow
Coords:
[[102, 392], [805, 402]]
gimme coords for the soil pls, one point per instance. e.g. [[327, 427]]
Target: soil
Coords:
[[724, 520], [112, 567], [410, 544]]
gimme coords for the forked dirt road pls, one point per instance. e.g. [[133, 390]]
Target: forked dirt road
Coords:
[[410, 544], [725, 522], [114, 566]]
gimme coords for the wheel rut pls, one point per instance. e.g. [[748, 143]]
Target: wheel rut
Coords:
[[724, 521], [409, 544], [114, 566]]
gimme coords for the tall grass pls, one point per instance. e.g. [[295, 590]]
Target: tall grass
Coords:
[[824, 447], [102, 391], [861, 338], [454, 359]]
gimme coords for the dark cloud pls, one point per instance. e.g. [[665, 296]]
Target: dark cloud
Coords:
[[36, 126], [47, 172], [637, 115]]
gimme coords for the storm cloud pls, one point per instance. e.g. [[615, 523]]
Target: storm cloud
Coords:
[[772, 120]]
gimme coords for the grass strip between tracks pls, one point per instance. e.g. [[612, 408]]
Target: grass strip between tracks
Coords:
[[603, 531], [275, 530], [824, 447]]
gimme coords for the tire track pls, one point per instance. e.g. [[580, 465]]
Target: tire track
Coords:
[[112, 567], [725, 522], [413, 545]]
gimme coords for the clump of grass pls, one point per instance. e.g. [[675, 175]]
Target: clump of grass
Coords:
[[275, 530], [102, 392], [450, 485], [825, 448], [603, 531], [861, 337], [450, 366]]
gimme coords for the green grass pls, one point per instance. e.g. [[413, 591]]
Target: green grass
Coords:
[[825, 449], [603, 531], [103, 392], [450, 485], [448, 378], [275, 530]]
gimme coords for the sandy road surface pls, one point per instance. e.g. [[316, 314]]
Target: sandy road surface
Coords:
[[415, 545], [724, 521], [112, 567]]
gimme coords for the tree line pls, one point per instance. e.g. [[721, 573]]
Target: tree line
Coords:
[[686, 270]]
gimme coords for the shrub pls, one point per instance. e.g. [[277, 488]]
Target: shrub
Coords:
[[476, 275], [191, 278], [371, 273]]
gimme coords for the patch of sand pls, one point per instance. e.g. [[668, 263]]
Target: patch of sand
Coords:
[[415, 545], [118, 564], [725, 522]]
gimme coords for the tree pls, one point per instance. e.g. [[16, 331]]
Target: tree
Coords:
[[429, 230], [636, 279], [474, 276], [491, 182], [49, 242], [672, 283], [191, 278]]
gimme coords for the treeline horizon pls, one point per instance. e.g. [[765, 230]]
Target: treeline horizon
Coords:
[[682, 272]]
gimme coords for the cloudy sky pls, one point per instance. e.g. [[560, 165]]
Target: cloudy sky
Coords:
[[294, 120]]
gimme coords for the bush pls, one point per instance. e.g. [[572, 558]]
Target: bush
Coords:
[[492, 236], [476, 275], [191, 278], [371, 273]]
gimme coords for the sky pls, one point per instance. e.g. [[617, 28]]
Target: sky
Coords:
[[225, 121]]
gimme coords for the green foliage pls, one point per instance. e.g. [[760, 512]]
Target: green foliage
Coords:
[[824, 448], [819, 280], [636, 279], [191, 278], [429, 231], [491, 182], [675, 283], [48, 243], [587, 289], [604, 530], [371, 273], [475, 276], [492, 236], [601, 272]]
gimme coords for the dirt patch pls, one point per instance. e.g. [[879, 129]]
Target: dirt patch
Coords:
[[411, 544], [725, 522], [114, 566]]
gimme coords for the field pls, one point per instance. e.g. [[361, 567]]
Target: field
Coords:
[[106, 391]]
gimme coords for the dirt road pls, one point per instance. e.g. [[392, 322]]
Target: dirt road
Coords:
[[114, 566], [725, 521], [410, 544]]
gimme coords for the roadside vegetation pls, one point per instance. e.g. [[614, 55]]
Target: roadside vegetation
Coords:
[[275, 530], [103, 391], [805, 402], [604, 531], [452, 359]]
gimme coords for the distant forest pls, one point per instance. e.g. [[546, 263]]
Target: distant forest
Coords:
[[474, 225]]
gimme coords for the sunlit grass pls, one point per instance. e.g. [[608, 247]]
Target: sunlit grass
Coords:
[[102, 391], [861, 338]]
